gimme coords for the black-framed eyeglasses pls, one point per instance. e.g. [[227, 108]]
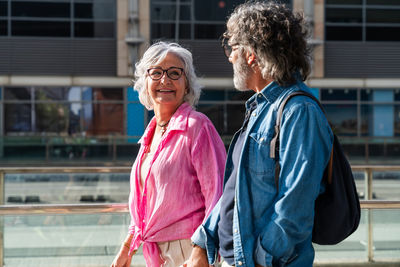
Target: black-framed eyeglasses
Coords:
[[227, 48], [174, 73]]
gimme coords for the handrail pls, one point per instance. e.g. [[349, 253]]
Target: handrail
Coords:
[[110, 169], [65, 169], [47, 209]]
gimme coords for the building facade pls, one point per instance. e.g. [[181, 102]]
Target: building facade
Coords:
[[66, 68]]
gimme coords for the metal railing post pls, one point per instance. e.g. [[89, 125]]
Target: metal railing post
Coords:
[[2, 196], [369, 194]]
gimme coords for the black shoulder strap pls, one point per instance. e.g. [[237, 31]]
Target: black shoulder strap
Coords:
[[274, 145]]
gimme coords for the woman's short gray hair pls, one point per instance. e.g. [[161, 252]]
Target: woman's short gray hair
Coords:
[[155, 54]]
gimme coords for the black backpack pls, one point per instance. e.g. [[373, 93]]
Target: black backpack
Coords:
[[337, 210]]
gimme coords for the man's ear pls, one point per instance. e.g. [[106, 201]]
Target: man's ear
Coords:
[[251, 59]]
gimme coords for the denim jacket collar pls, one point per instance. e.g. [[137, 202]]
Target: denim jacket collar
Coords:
[[270, 93]]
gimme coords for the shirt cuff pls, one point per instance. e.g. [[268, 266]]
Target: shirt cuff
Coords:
[[201, 239]]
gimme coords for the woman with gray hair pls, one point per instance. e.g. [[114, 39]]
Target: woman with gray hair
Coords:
[[176, 179]]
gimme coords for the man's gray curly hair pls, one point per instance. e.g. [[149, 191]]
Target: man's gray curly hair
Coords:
[[154, 55], [276, 36]]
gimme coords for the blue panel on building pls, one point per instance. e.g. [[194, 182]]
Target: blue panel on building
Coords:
[[134, 116], [383, 115]]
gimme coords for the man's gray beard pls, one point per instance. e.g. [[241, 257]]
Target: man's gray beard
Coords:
[[240, 74]]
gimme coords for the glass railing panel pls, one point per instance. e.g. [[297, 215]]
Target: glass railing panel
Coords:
[[386, 185], [65, 240], [386, 235], [66, 188], [359, 179], [352, 249]]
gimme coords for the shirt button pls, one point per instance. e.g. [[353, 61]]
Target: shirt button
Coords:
[[259, 95], [240, 263], [235, 231], [254, 114], [261, 139]]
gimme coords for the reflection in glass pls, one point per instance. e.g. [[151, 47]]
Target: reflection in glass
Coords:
[[95, 10], [66, 188], [40, 28], [383, 124], [383, 2], [214, 10], [165, 30], [215, 112], [184, 31], [106, 119], [3, 27], [3, 8], [65, 240], [337, 33], [40, 9], [163, 12], [386, 236], [386, 33], [58, 118], [235, 117], [386, 185], [55, 93], [347, 15], [366, 120], [344, 2], [208, 31], [17, 93], [338, 94], [94, 29], [383, 15], [366, 95], [17, 118], [236, 95], [352, 249], [343, 118], [184, 13], [397, 121], [212, 95]]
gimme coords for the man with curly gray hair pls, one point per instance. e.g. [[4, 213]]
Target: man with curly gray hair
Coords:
[[265, 215]]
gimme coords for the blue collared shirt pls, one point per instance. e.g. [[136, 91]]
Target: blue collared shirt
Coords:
[[273, 227]]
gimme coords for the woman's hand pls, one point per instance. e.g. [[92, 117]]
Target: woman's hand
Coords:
[[123, 259], [198, 258]]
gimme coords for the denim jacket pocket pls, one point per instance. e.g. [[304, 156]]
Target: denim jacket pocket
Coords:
[[260, 163]]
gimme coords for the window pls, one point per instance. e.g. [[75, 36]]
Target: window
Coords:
[[3, 9], [62, 18], [63, 111], [40, 9], [189, 20], [357, 20], [40, 28], [3, 27], [362, 112], [225, 108]]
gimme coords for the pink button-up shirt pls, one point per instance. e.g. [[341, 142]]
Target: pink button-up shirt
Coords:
[[183, 184]]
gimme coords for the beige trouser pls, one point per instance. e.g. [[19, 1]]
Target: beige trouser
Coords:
[[175, 252], [224, 264]]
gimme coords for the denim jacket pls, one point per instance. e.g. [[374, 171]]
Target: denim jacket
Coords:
[[271, 226]]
